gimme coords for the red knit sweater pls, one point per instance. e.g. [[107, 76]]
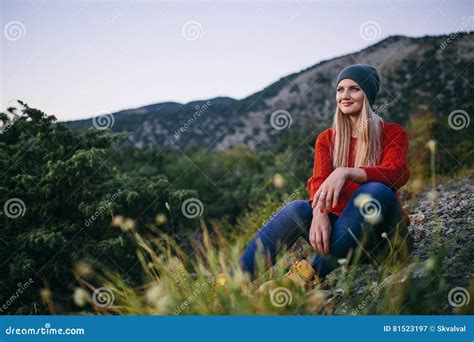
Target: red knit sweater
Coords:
[[392, 171]]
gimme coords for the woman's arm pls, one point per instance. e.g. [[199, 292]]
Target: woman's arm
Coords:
[[393, 169], [355, 174], [322, 163]]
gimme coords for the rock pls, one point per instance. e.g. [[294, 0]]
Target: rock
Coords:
[[419, 217]]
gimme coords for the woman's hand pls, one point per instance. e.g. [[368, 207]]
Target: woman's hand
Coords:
[[320, 232], [327, 195]]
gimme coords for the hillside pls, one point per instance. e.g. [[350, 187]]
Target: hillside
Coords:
[[419, 75]]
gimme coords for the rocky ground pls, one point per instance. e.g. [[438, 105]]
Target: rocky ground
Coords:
[[441, 219], [446, 216]]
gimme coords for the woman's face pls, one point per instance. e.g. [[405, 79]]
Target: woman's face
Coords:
[[349, 96]]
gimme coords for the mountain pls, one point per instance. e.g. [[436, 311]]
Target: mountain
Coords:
[[418, 75]]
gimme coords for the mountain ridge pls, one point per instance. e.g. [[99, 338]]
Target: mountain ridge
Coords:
[[407, 67]]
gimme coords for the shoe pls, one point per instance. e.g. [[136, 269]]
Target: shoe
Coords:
[[301, 270], [301, 273]]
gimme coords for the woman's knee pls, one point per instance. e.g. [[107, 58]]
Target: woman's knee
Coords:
[[373, 199], [377, 190], [297, 213], [298, 209]]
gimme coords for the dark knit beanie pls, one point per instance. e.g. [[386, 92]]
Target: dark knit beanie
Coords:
[[365, 75]]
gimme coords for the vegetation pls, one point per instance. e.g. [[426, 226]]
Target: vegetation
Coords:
[[94, 225]]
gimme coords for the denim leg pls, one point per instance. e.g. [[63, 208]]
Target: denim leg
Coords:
[[372, 209], [291, 222]]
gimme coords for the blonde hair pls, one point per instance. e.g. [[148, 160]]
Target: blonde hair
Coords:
[[367, 148]]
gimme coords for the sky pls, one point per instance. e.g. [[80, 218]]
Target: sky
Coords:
[[76, 59]]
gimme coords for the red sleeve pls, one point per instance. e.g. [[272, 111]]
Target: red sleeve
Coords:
[[322, 163], [393, 169]]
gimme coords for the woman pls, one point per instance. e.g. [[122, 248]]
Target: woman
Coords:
[[359, 164]]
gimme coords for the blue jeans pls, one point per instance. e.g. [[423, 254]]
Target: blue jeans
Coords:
[[366, 217]]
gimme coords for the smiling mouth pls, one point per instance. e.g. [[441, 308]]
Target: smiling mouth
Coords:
[[347, 103]]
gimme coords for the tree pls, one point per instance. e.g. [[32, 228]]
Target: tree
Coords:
[[59, 195]]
